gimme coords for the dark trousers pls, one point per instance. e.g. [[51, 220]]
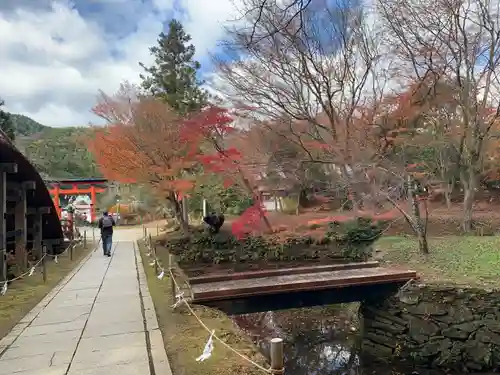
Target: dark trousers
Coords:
[[107, 242]]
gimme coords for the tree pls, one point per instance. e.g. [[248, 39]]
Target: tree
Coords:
[[309, 76], [6, 123], [173, 76], [456, 43], [145, 142], [319, 81], [212, 127], [289, 12]]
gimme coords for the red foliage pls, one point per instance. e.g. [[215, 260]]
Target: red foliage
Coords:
[[213, 126], [249, 222], [146, 142], [142, 143]]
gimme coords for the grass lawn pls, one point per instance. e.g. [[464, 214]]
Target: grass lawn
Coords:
[[24, 294], [461, 259], [185, 339]]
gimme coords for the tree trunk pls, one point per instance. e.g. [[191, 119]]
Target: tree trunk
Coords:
[[447, 197], [185, 210], [468, 208], [469, 186], [352, 190], [257, 198], [178, 212], [418, 226], [301, 198]]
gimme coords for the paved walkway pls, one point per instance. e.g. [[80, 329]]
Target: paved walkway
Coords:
[[99, 320]]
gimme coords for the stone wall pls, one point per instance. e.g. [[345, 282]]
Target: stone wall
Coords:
[[435, 326]]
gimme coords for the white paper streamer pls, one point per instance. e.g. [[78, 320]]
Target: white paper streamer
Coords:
[[179, 299], [148, 254], [207, 351], [152, 263], [32, 271], [4, 289], [160, 276], [55, 259]]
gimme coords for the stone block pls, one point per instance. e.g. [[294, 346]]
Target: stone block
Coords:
[[443, 325]]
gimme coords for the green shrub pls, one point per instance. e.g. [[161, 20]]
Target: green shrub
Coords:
[[351, 241], [356, 236]]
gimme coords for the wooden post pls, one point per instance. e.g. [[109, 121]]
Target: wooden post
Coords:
[[171, 272], [185, 207], [3, 225], [38, 230], [153, 247], [44, 263], [277, 360], [21, 224], [38, 235]]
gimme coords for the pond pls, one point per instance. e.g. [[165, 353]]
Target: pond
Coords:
[[318, 341]]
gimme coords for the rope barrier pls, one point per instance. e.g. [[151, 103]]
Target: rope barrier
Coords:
[[56, 256], [181, 300], [27, 273], [31, 271]]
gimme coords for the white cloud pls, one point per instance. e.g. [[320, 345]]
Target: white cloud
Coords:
[[206, 21], [55, 57]]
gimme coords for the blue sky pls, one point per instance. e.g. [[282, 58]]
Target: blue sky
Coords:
[[56, 54]]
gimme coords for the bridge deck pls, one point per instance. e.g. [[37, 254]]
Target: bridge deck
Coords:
[[305, 279]]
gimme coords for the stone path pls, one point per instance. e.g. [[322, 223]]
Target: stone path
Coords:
[[99, 320]]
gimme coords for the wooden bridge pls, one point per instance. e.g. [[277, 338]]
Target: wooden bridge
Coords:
[[260, 291]]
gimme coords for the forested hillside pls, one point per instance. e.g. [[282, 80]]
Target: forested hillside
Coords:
[[56, 152]]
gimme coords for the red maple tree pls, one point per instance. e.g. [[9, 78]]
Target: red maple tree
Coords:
[[144, 142], [211, 128]]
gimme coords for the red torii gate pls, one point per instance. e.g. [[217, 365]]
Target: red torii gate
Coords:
[[82, 186]]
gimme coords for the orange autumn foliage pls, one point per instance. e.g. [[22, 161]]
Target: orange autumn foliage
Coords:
[[142, 143]]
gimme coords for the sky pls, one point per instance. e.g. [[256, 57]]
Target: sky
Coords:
[[55, 55]]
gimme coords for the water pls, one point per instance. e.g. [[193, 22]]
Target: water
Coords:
[[318, 341]]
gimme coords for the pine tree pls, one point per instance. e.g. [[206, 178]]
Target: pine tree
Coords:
[[6, 123], [173, 75]]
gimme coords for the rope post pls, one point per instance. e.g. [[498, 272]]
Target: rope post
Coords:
[[277, 360], [150, 242], [153, 249], [71, 247], [44, 263], [84, 238], [157, 230], [93, 236], [171, 272]]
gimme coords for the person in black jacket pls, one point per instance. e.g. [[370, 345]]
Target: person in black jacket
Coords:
[[106, 224]]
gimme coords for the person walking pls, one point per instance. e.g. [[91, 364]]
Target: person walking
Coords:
[[106, 224]]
